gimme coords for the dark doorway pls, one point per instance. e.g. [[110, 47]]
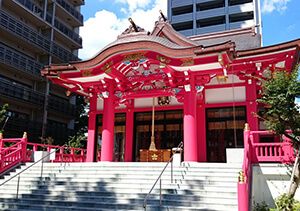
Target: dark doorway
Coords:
[[224, 130], [168, 129]]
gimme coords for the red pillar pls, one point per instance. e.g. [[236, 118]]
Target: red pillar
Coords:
[[91, 142], [129, 133], [201, 129], [107, 149], [189, 127], [251, 103]]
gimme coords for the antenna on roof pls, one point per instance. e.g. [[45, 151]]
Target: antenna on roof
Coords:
[[163, 16], [133, 24]]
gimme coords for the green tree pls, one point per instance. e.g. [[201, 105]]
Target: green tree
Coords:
[[81, 115], [78, 140], [3, 110], [281, 113]]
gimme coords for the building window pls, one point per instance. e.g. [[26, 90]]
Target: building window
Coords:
[[241, 17], [182, 10], [18, 115], [210, 5], [237, 2], [183, 26], [14, 82], [211, 21]]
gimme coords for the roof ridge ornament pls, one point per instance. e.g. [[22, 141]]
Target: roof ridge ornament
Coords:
[[162, 16], [133, 29], [133, 25]]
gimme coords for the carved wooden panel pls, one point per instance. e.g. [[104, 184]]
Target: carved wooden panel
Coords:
[[160, 155]]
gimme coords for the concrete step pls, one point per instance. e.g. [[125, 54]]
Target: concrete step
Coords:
[[192, 185], [104, 194], [107, 174], [118, 189], [144, 164], [133, 198], [17, 206], [63, 179], [128, 172], [123, 203], [58, 185]]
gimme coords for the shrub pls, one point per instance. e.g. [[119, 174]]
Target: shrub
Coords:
[[260, 206]]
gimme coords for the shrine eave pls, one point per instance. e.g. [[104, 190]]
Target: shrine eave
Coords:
[[140, 63], [269, 49]]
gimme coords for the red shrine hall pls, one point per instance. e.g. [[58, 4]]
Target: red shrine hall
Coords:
[[168, 86]]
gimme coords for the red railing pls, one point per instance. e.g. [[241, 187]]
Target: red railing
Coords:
[[12, 155], [21, 151], [64, 154], [255, 152]]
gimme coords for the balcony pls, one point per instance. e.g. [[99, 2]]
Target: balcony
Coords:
[[65, 30], [32, 7], [61, 105], [18, 28], [16, 126], [180, 3], [60, 134], [63, 54], [15, 59], [13, 90], [187, 32], [182, 18], [68, 32], [211, 29], [60, 26], [71, 10]]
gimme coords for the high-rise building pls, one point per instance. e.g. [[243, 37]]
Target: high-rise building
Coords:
[[194, 17], [34, 33]]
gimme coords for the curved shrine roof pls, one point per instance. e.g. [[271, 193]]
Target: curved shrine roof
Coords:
[[164, 59]]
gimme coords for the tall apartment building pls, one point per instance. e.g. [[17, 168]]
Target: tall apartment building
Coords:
[[194, 17], [34, 33]]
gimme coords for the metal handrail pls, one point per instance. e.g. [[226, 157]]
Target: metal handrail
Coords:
[[159, 178], [18, 174]]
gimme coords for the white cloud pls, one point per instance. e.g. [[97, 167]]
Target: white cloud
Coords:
[[274, 5], [291, 28], [99, 31], [134, 4], [105, 26]]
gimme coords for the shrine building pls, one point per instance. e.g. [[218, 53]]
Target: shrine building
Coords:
[[199, 94]]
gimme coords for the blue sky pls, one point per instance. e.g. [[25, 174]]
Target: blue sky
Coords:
[[105, 19]]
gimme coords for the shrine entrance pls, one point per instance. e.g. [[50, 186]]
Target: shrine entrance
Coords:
[[224, 130], [168, 130]]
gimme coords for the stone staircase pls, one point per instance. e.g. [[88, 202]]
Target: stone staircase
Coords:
[[121, 186]]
